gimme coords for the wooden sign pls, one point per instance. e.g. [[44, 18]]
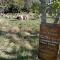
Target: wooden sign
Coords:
[[49, 41], [50, 32]]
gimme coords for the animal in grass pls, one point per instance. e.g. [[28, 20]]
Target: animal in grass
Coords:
[[22, 17], [25, 17], [19, 17]]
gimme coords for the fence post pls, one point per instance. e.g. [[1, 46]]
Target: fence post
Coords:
[[49, 37], [49, 41]]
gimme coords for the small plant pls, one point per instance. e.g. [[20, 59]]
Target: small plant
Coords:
[[35, 7]]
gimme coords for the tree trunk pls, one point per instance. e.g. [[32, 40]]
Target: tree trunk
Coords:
[[26, 5], [43, 12]]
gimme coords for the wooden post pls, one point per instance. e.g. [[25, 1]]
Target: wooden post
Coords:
[[49, 41], [49, 37]]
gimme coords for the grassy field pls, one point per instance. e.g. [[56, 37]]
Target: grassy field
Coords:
[[18, 39]]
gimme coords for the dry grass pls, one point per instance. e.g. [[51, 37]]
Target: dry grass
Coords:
[[11, 39]]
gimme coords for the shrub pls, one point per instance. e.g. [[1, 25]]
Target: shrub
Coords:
[[35, 7], [11, 8]]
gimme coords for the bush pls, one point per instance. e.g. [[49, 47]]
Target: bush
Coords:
[[35, 7], [24, 9], [11, 8]]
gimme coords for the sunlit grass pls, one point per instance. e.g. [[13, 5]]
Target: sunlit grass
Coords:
[[23, 53]]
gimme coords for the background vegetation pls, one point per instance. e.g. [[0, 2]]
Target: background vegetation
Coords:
[[19, 38]]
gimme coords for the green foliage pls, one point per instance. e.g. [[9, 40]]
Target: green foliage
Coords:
[[11, 8], [14, 8], [19, 3], [35, 7], [56, 6]]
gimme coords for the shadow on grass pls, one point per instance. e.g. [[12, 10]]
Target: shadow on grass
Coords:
[[19, 57], [2, 32], [6, 59], [27, 57], [33, 57]]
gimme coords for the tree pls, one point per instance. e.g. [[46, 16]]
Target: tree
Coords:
[[56, 7], [43, 11]]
